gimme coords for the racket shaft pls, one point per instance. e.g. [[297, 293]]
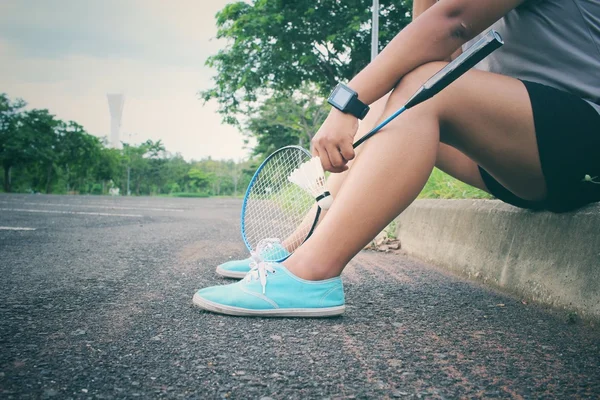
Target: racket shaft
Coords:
[[378, 127], [467, 60]]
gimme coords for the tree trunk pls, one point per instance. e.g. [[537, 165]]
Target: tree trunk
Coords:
[[7, 169], [48, 179], [68, 179]]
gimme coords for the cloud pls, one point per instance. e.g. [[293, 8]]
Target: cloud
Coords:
[[152, 51], [175, 32]]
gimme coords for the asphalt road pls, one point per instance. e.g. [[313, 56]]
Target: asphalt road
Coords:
[[96, 303]]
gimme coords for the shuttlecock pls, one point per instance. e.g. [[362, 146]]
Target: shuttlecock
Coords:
[[311, 177]]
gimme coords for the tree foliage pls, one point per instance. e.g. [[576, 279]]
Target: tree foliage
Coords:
[[287, 118], [281, 45], [14, 149], [40, 153]]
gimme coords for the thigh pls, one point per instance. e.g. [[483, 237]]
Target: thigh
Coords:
[[456, 164], [487, 117]]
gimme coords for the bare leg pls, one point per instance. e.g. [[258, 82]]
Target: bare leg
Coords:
[[335, 181], [455, 163], [485, 116], [448, 159]]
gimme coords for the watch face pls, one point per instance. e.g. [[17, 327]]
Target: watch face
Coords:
[[341, 96]]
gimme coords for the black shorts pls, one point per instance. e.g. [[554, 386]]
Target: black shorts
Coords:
[[568, 138]]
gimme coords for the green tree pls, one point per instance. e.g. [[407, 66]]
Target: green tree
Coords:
[[79, 154], [281, 45], [234, 173], [14, 144], [143, 164], [199, 179], [285, 119], [134, 166], [172, 174], [157, 159], [40, 127], [269, 136], [47, 154], [109, 165]]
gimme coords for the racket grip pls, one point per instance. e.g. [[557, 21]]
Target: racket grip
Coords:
[[468, 59]]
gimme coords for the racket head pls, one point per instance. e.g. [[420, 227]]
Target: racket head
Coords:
[[275, 208]]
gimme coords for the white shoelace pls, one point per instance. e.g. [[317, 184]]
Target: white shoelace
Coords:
[[260, 272], [259, 269]]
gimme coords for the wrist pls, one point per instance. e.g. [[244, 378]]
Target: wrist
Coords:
[[346, 100], [342, 116]]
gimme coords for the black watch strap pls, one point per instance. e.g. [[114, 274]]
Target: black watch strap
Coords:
[[351, 105], [357, 108]]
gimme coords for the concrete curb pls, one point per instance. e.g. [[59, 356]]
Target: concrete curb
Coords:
[[552, 259]]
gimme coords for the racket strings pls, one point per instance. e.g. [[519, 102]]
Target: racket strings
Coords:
[[278, 208]]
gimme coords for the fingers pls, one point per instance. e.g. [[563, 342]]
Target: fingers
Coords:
[[331, 157], [338, 164], [347, 151], [333, 141]]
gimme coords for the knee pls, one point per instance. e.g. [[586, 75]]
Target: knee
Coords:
[[408, 85], [412, 81]]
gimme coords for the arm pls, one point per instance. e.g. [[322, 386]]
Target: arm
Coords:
[[443, 27], [420, 6], [434, 35]]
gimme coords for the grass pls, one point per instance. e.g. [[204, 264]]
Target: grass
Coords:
[[290, 197], [184, 194], [442, 186]]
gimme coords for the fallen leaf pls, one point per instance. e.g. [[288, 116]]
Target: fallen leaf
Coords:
[[383, 247]]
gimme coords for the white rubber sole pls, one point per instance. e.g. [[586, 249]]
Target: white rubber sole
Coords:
[[230, 274], [287, 312]]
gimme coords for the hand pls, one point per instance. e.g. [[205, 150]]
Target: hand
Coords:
[[333, 142]]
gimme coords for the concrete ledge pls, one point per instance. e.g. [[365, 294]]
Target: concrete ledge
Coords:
[[552, 259]]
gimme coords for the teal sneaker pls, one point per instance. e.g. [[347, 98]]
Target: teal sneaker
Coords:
[[235, 268], [270, 249], [270, 290]]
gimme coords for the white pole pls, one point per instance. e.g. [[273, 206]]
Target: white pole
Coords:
[[375, 30], [128, 191]]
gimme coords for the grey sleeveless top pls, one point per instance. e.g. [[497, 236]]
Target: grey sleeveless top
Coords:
[[552, 42]]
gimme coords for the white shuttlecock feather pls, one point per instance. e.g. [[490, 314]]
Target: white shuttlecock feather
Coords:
[[310, 176]]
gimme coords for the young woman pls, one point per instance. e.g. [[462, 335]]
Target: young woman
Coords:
[[525, 127]]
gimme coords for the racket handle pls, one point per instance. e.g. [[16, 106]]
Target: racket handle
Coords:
[[468, 59]]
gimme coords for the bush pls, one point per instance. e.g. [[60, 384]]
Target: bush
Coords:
[[96, 189], [185, 194], [173, 188]]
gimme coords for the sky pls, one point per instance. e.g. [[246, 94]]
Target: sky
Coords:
[[66, 55]]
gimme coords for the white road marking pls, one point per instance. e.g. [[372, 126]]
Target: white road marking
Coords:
[[15, 228], [99, 206], [71, 212]]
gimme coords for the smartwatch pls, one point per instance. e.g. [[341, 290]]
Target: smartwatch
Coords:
[[346, 100]]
